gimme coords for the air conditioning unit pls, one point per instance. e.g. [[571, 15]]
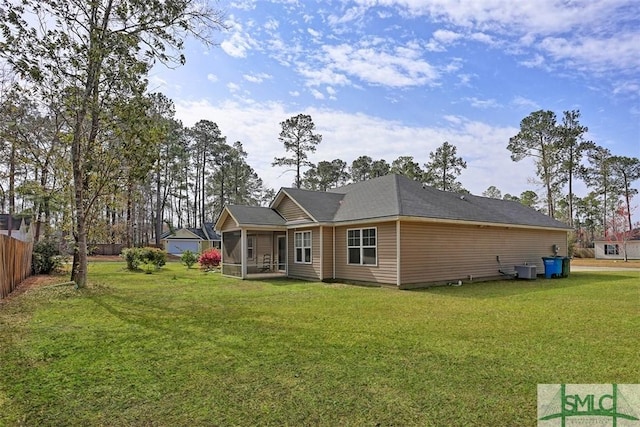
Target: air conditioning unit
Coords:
[[526, 272]]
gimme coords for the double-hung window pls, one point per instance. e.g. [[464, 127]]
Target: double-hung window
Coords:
[[302, 246], [251, 244], [611, 250], [362, 248]]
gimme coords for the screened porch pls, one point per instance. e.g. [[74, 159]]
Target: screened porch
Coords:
[[254, 253]]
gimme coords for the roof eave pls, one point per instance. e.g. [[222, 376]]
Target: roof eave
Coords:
[[222, 218], [443, 221], [483, 223], [266, 227]]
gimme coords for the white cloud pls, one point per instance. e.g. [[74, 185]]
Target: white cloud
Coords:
[[540, 16], [315, 34], [243, 4], [155, 82], [239, 43], [465, 79], [522, 102], [256, 78], [397, 67], [590, 35], [446, 36], [271, 25], [621, 52], [483, 103], [347, 136], [483, 38], [536, 61], [317, 94], [212, 77], [352, 14], [630, 87], [441, 39], [321, 76]]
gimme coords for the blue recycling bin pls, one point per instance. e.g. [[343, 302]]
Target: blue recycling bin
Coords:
[[552, 267]]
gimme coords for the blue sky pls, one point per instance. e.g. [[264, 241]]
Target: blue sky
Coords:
[[398, 78]]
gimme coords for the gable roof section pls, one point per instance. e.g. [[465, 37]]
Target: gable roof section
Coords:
[[253, 215], [375, 198], [210, 232], [184, 233], [319, 205]]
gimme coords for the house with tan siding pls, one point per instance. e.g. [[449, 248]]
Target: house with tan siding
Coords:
[[389, 230]]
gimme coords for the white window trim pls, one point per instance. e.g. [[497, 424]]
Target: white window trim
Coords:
[[611, 249], [362, 247], [251, 247], [295, 248]]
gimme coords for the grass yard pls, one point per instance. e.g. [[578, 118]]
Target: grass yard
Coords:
[[185, 348]]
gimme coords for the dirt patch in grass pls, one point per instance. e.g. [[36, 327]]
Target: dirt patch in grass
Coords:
[[30, 283]]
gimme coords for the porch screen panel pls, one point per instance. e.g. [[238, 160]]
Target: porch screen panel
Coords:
[[232, 249]]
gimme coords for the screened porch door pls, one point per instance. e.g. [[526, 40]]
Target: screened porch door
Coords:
[[282, 253]]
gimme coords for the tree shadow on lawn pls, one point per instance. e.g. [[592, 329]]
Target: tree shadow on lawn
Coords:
[[509, 288], [171, 320]]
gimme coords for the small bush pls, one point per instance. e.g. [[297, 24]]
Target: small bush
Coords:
[[46, 257], [132, 258], [189, 258], [150, 258], [210, 258]]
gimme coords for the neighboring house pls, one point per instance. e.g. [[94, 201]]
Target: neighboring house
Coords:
[[388, 230], [193, 239], [20, 227], [611, 249]]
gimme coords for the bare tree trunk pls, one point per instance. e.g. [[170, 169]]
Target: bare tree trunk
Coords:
[[159, 208], [79, 270], [12, 184]]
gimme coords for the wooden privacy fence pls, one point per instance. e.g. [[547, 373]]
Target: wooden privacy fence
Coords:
[[15, 263]]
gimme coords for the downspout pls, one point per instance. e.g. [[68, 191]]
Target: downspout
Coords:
[[321, 253], [221, 251], [334, 253], [243, 248], [398, 263]]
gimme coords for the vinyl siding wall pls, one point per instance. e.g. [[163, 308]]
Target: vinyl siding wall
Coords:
[[327, 253], [228, 224], [290, 211], [384, 272], [432, 253], [305, 271]]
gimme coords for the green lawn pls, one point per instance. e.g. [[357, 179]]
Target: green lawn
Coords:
[[185, 348]]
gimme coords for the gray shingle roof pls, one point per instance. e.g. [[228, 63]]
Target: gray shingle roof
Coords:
[[210, 232], [16, 222], [204, 233], [255, 215], [396, 195], [322, 206]]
